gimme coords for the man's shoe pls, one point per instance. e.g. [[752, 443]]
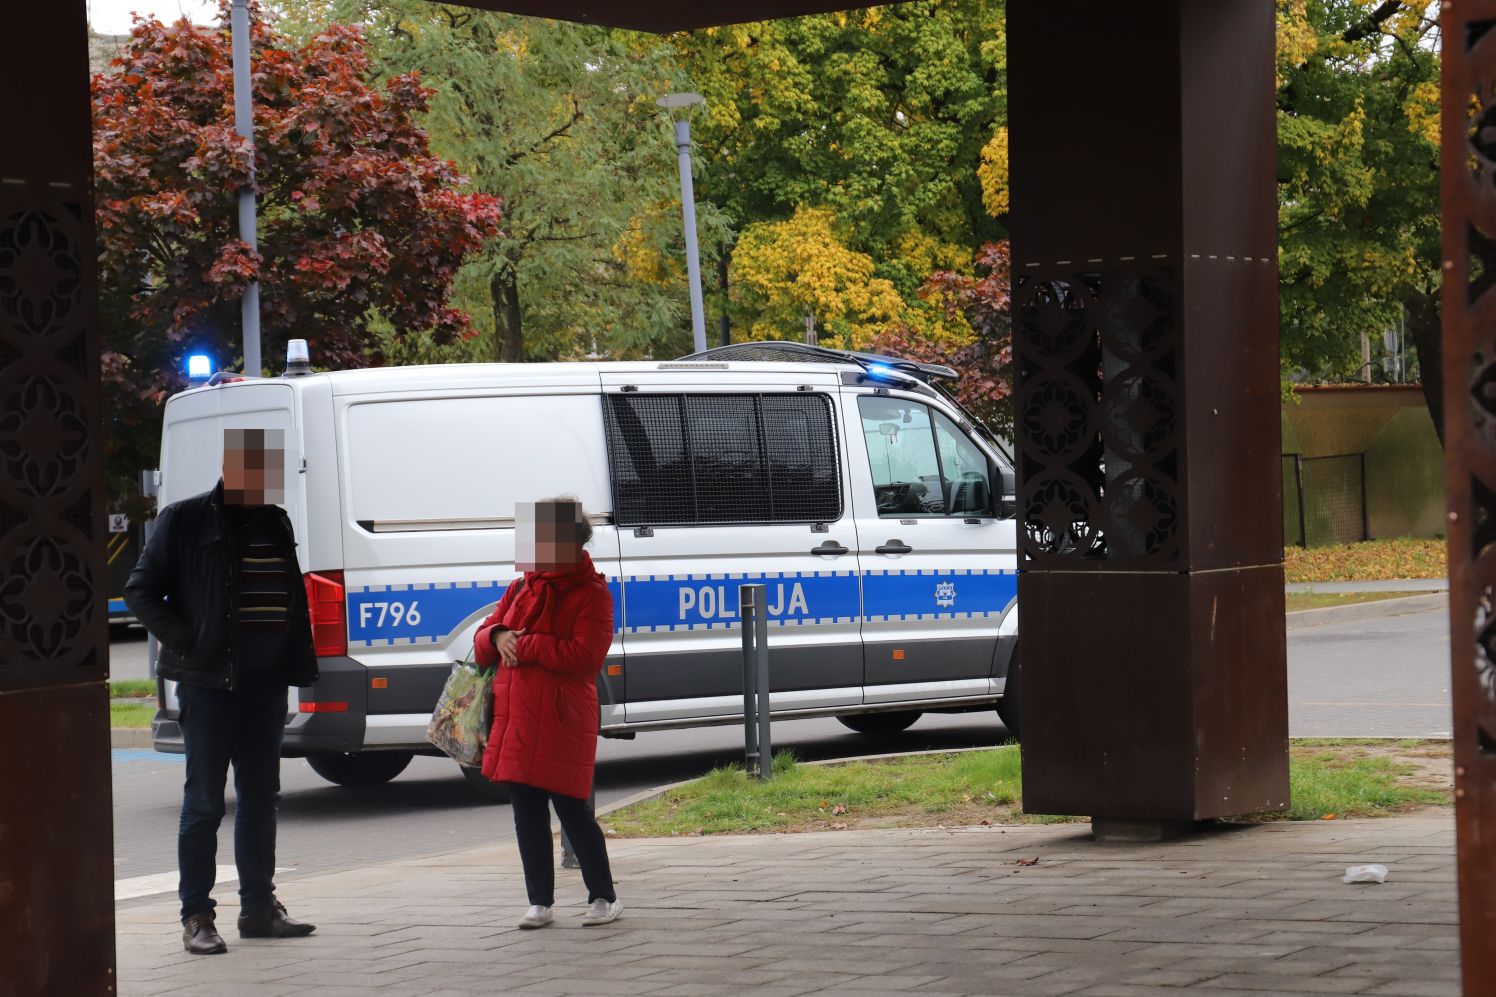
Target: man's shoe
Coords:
[[272, 922], [537, 917], [602, 912], [200, 935]]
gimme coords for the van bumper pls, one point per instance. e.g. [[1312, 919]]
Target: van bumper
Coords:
[[342, 681], [332, 714]]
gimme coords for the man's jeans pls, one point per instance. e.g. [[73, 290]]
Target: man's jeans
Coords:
[[219, 727]]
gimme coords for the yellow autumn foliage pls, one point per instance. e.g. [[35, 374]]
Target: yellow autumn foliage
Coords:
[[1423, 112], [783, 271], [993, 174]]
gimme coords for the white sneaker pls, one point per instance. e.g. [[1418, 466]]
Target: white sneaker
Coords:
[[602, 912], [536, 917]]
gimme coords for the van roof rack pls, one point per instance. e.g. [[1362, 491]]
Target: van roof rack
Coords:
[[804, 353]]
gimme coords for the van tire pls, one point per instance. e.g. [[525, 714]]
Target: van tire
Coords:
[[881, 724], [361, 769], [1009, 708], [483, 787]]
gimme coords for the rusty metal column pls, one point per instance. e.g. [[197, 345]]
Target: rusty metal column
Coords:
[[56, 849], [1146, 344], [1468, 193]]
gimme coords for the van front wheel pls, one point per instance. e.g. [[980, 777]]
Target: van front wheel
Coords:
[[880, 724], [359, 770]]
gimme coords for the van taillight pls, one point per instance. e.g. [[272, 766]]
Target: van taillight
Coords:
[[324, 599]]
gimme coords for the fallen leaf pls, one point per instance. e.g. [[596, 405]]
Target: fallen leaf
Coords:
[[838, 809], [838, 827], [985, 822], [1328, 817], [1032, 861]]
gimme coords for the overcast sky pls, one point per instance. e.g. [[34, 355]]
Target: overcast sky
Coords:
[[112, 17]]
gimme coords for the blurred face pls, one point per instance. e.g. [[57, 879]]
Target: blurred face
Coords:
[[547, 535], [254, 466]]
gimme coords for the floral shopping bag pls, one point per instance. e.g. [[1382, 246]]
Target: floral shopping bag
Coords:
[[459, 725]]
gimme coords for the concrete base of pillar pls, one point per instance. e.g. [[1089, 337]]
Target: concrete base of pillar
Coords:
[[1130, 830]]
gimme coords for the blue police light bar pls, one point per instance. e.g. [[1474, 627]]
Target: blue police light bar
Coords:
[[199, 367]]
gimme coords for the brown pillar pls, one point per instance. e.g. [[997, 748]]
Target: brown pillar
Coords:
[[1145, 329], [1468, 185], [56, 852]]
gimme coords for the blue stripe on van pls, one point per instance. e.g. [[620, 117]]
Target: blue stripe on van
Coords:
[[934, 594], [386, 615]]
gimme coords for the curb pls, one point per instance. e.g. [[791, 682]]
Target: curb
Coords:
[[1374, 610], [130, 737]]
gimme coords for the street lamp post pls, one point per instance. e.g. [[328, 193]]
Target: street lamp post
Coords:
[[680, 106], [244, 125]]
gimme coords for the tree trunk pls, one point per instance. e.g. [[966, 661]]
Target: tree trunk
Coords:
[[1428, 336], [509, 336]]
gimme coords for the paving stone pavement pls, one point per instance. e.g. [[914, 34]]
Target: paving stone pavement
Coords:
[[1236, 911]]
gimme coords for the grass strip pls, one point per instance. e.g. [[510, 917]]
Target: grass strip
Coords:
[[1373, 560], [136, 716], [1329, 780], [132, 689], [1322, 600]]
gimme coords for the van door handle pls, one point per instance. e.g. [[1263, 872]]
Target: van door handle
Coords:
[[894, 546], [830, 547]]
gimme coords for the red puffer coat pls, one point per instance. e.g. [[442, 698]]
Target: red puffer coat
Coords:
[[545, 710]]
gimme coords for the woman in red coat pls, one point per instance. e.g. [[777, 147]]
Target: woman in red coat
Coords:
[[549, 636]]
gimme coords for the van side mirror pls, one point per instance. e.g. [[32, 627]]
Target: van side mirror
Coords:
[[1007, 489]]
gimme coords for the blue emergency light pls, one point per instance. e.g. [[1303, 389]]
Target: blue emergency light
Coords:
[[199, 367]]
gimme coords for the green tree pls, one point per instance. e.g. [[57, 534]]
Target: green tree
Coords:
[[1358, 173], [878, 114], [559, 120]]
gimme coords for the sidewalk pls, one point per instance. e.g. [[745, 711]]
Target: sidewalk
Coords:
[[1252, 910]]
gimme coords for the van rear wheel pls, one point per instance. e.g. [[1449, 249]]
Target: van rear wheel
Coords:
[[881, 724], [486, 790], [359, 770]]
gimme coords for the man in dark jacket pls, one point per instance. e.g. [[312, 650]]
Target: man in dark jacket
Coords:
[[219, 586]]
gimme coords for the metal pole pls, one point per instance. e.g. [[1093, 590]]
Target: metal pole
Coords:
[[244, 126], [1298, 476], [149, 490], [761, 636], [688, 208], [749, 599], [1365, 511]]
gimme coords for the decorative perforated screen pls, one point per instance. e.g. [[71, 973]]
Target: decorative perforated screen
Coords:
[[683, 460]]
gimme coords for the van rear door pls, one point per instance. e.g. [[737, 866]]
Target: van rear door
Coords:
[[192, 450], [722, 482]]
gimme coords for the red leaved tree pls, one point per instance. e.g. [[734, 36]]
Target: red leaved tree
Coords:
[[985, 362], [359, 224]]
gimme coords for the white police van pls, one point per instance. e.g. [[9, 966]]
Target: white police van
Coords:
[[876, 515]]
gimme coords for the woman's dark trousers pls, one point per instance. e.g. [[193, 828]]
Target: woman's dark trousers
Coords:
[[532, 829], [244, 729]]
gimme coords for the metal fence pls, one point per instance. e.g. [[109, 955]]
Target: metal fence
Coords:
[[1324, 500]]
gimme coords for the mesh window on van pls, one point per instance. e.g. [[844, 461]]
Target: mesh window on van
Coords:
[[720, 458]]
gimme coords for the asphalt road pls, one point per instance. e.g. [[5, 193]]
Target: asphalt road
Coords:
[[1386, 677]]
